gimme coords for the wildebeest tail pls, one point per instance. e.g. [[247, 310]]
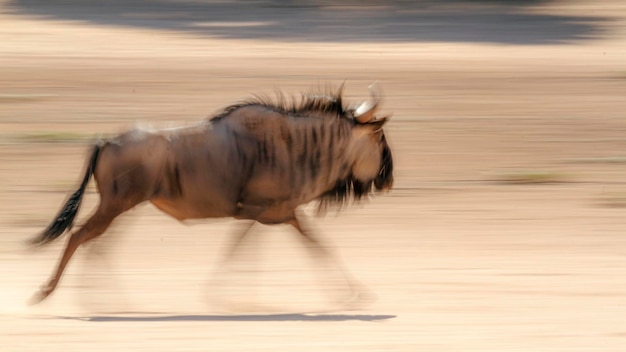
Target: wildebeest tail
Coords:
[[65, 218]]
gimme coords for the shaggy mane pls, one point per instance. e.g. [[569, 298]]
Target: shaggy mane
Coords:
[[321, 101], [344, 191]]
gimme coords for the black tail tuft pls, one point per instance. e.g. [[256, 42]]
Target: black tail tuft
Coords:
[[66, 216]]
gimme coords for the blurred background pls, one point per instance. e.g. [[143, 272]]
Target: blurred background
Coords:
[[505, 230]]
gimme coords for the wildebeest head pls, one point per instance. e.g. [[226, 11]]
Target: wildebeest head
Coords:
[[374, 163], [371, 165]]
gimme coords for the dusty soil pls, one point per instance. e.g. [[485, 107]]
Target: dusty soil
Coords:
[[506, 230]]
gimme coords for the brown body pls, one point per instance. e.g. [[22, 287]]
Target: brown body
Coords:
[[257, 161]]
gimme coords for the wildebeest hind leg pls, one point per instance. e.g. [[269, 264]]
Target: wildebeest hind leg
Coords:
[[98, 269], [94, 227]]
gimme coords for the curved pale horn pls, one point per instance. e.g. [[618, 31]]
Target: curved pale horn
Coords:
[[365, 112]]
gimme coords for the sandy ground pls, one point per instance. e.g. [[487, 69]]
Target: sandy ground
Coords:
[[474, 250]]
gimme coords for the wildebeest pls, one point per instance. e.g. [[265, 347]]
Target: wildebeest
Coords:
[[257, 160]]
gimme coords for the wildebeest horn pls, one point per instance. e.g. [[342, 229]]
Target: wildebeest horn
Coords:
[[365, 112]]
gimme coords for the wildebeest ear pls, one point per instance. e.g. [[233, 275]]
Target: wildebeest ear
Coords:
[[377, 124]]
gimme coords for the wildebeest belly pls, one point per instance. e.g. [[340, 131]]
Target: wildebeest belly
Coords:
[[268, 213], [183, 209]]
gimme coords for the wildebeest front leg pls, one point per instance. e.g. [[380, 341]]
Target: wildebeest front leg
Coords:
[[216, 282], [237, 239], [94, 227], [357, 294]]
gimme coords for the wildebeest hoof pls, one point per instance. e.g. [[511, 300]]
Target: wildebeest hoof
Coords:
[[359, 298], [37, 298], [40, 295]]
